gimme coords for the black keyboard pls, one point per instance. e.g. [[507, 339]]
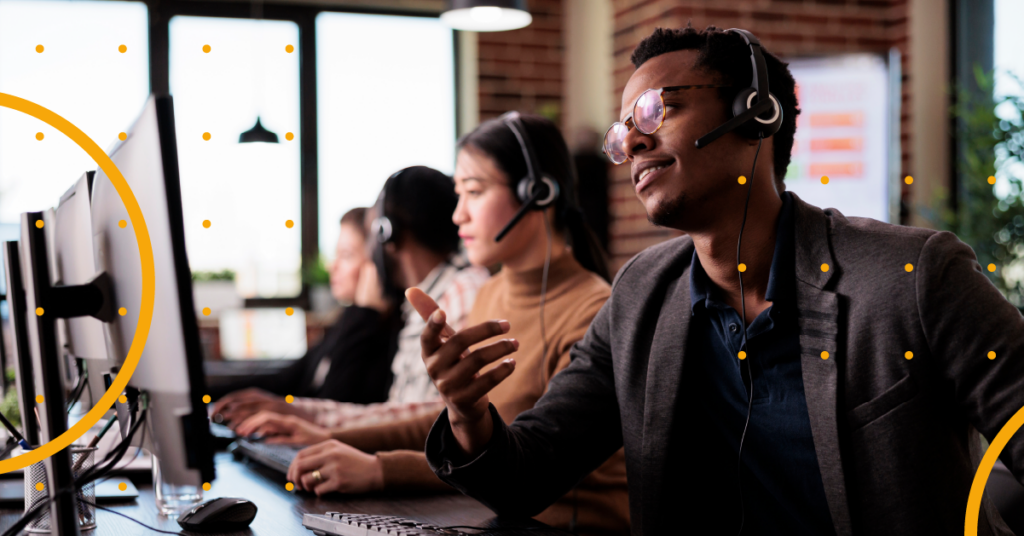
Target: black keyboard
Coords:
[[337, 524], [277, 457]]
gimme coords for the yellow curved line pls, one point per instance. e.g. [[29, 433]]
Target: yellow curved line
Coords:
[[148, 282], [985, 468]]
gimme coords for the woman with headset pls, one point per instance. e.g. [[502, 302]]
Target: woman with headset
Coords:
[[517, 208]]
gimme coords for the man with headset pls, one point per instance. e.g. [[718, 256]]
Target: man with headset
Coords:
[[846, 399]]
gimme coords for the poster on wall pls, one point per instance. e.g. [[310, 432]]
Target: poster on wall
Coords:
[[844, 132]]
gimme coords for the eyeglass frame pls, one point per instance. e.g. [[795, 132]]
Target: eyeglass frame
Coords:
[[630, 124]]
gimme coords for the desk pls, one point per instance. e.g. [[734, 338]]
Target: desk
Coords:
[[280, 511]]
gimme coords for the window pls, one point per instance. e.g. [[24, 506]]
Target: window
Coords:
[[380, 108], [81, 75], [246, 191]]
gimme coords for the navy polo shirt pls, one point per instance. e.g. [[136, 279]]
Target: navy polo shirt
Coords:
[[781, 483]]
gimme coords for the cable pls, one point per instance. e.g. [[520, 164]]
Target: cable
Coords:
[[112, 511], [743, 344]]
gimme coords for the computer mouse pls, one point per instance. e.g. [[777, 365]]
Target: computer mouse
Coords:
[[219, 515]]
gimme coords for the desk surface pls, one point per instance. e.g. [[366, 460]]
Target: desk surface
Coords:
[[280, 511]]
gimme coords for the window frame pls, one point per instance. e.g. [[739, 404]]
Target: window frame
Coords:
[[304, 16]]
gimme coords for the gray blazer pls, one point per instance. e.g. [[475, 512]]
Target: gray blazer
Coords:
[[896, 439]]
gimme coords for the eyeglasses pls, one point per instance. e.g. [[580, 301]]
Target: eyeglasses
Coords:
[[647, 116]]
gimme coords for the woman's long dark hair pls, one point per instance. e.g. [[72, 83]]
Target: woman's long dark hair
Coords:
[[495, 139]]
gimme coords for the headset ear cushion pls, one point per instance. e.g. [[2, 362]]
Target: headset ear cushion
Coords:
[[525, 189], [743, 101]]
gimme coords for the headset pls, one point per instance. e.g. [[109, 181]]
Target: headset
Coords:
[[748, 108], [382, 231], [535, 191]]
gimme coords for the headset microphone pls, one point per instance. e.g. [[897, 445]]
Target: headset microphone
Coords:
[[535, 191], [748, 123]]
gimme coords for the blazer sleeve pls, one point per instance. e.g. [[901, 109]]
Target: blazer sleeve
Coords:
[[965, 318], [529, 464]]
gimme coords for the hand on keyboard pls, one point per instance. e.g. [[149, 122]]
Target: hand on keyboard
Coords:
[[277, 429], [341, 468]]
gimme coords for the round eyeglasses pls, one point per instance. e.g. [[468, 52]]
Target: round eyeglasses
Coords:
[[647, 116]]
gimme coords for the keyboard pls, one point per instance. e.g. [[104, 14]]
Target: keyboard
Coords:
[[337, 524], [276, 457]]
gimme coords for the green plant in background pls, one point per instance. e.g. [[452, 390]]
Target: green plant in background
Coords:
[[992, 225], [317, 274], [9, 405], [223, 275]]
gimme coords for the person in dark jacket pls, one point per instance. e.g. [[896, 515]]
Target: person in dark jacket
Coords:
[[824, 375], [353, 361]]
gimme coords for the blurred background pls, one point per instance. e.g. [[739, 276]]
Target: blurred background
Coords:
[[912, 108]]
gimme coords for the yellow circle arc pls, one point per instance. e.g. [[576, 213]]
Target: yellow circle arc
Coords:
[[148, 282], [985, 468]]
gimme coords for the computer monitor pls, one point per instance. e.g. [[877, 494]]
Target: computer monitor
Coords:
[[74, 263], [171, 367]]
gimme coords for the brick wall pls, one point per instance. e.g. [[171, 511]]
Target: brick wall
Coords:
[[523, 69], [785, 28]]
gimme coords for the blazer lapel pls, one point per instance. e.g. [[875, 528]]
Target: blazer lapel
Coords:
[[664, 375], [818, 318]]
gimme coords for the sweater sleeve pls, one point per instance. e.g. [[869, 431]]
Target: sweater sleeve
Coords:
[[407, 470], [409, 433]]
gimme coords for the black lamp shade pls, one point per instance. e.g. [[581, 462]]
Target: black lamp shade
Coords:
[[257, 133]]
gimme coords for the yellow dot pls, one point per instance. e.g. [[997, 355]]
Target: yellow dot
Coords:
[[206, 49], [742, 355], [39, 136], [206, 224], [122, 399], [39, 311], [742, 267], [39, 399], [206, 311], [289, 49], [824, 267], [122, 49], [289, 311], [206, 399], [40, 224], [909, 267], [39, 49], [122, 486], [991, 179], [289, 486], [289, 136], [206, 136], [824, 179], [991, 355], [289, 224], [742, 180], [122, 136], [122, 224], [824, 355], [289, 399], [122, 311], [39, 485], [206, 486], [991, 267], [909, 355], [909, 180]]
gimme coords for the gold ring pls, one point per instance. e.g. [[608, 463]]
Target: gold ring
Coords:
[[317, 476]]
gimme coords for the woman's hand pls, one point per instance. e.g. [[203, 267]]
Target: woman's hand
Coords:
[[369, 292], [240, 405], [456, 371], [283, 429], [342, 468]]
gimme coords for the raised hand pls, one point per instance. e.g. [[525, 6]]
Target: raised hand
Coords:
[[456, 371]]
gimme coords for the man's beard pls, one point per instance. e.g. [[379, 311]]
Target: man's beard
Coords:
[[668, 213]]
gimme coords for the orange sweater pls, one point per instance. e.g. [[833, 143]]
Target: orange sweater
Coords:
[[573, 298]]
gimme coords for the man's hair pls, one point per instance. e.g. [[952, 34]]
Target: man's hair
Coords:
[[726, 56], [356, 218]]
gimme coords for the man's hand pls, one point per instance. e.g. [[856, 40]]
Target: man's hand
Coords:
[[282, 429], [240, 405], [342, 468], [456, 371]]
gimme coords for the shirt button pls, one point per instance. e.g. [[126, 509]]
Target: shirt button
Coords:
[[734, 327]]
